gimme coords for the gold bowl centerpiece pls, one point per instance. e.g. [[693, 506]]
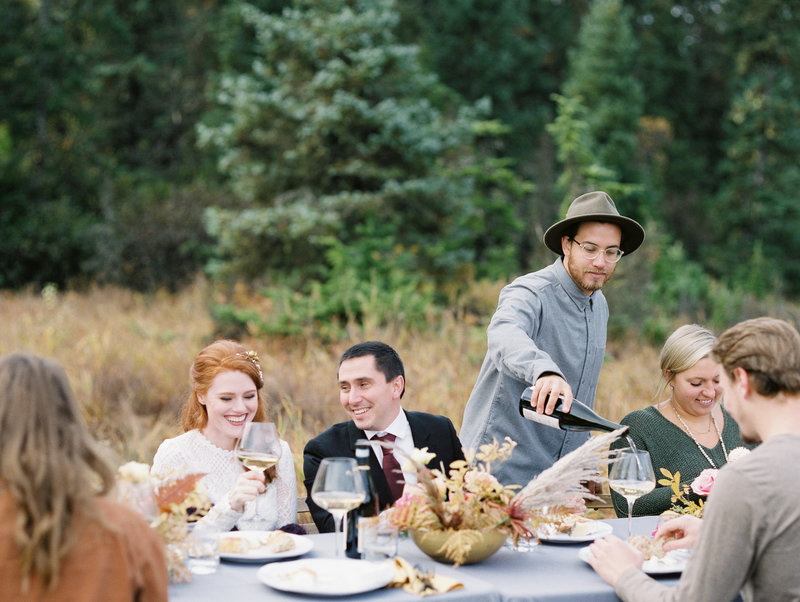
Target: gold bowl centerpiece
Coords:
[[464, 514], [477, 545]]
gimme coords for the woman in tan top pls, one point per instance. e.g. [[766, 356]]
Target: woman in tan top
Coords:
[[59, 538]]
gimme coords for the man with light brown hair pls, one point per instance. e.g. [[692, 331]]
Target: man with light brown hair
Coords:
[[748, 541]]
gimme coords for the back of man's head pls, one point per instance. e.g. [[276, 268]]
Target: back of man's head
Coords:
[[387, 361], [767, 349]]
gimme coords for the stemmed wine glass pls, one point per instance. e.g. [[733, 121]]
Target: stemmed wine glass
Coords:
[[632, 476], [259, 447], [338, 487]]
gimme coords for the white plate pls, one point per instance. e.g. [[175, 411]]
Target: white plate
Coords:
[[326, 576], [301, 546], [673, 562], [596, 529]]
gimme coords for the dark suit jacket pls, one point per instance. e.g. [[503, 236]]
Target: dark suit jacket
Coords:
[[428, 430]]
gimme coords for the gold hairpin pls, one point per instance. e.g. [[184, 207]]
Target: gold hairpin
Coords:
[[253, 357]]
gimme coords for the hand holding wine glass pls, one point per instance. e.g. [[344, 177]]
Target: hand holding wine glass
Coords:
[[632, 476], [249, 485], [259, 447], [338, 487]]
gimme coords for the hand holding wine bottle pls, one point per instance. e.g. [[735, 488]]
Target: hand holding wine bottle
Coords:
[[579, 417], [548, 391]]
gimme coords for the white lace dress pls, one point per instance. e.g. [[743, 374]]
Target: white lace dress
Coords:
[[192, 452]]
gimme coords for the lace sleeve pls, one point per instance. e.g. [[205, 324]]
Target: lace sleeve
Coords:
[[221, 516], [287, 487]]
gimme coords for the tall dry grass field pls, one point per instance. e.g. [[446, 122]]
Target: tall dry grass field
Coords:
[[128, 357]]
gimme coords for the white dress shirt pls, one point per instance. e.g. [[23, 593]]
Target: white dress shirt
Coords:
[[403, 443]]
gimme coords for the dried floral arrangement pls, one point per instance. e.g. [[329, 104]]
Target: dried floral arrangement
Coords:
[[682, 501], [169, 505], [467, 499]]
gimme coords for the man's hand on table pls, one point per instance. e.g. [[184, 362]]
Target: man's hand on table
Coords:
[[610, 557], [681, 532]]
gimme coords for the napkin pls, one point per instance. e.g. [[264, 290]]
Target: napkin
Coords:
[[418, 582]]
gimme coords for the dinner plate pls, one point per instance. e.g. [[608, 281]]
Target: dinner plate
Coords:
[[302, 545], [672, 562], [596, 529], [326, 576]]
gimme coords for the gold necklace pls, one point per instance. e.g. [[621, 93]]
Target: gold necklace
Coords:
[[696, 442]]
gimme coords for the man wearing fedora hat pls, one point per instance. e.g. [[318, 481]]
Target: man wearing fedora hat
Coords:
[[549, 332]]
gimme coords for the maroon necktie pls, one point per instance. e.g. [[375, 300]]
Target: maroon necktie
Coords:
[[391, 467]]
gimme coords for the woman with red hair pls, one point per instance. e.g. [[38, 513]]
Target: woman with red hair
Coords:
[[226, 394]]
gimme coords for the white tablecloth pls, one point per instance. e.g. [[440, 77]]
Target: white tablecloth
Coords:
[[549, 572]]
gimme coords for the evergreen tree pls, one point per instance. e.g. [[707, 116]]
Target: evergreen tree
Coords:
[[684, 64], [46, 176], [511, 51], [337, 139], [99, 104], [757, 207], [601, 75], [594, 139]]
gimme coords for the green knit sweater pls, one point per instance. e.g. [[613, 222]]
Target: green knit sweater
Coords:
[[671, 448]]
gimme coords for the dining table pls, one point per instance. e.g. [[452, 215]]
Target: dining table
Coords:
[[544, 572]]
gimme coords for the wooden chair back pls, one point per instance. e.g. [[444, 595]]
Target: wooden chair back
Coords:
[[304, 517]]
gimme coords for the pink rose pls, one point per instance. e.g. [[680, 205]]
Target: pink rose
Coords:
[[702, 484]]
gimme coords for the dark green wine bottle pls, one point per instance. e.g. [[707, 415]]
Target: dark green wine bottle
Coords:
[[370, 505], [579, 418]]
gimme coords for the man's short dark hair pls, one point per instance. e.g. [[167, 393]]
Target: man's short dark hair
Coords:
[[387, 361]]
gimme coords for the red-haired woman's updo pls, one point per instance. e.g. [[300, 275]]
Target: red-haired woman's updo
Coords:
[[220, 356]]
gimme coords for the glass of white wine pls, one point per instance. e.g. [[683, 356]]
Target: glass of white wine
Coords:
[[259, 447], [631, 476], [338, 487]]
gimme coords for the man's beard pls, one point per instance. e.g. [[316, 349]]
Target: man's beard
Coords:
[[586, 283], [590, 284]]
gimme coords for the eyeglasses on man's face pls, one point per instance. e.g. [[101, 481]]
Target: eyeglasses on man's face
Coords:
[[591, 251]]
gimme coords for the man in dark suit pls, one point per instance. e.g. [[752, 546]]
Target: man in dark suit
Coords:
[[371, 383]]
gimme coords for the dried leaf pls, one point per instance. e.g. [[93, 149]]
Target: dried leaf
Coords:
[[176, 491]]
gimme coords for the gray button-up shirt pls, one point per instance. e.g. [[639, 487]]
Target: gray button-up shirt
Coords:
[[543, 323]]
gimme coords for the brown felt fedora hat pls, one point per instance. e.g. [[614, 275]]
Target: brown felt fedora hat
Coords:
[[595, 207]]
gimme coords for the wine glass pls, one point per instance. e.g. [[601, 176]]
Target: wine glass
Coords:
[[338, 487], [632, 476], [259, 447]]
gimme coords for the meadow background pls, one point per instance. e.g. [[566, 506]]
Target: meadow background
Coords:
[[301, 175], [128, 354]]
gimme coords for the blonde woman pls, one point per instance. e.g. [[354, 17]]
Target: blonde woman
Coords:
[[60, 537], [226, 394], [688, 429]]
